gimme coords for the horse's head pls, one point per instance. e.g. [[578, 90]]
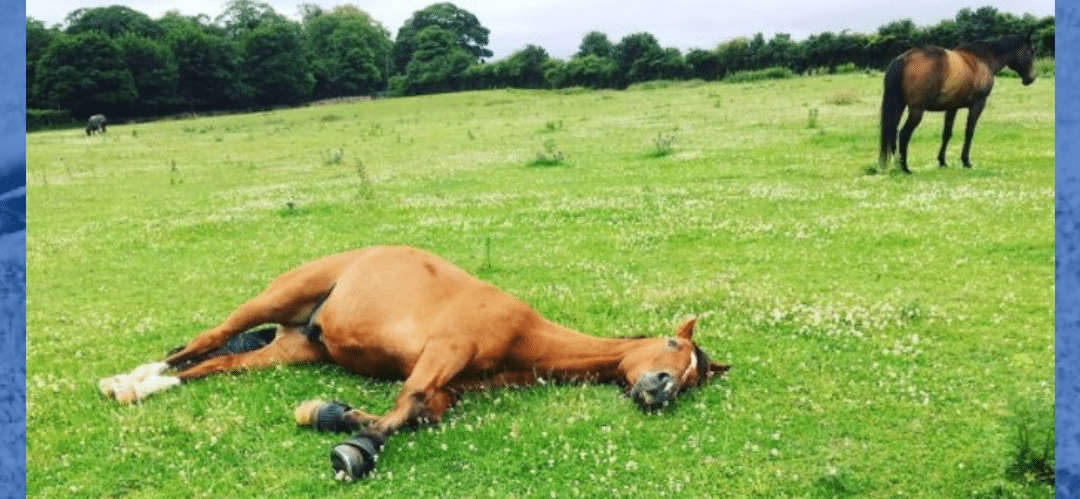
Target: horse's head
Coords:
[[660, 368], [1023, 61]]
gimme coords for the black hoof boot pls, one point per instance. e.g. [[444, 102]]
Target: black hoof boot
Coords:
[[330, 416], [355, 458]]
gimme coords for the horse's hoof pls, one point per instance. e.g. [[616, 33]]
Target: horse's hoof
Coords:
[[120, 387], [304, 414], [355, 458], [324, 416]]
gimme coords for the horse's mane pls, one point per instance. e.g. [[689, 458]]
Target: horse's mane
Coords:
[[998, 46], [702, 366]]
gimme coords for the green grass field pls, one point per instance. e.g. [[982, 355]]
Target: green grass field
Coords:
[[884, 329]]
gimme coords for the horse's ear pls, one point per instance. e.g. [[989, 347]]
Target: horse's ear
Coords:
[[718, 369], [687, 329]]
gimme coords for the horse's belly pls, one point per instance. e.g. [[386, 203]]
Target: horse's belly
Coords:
[[387, 351]]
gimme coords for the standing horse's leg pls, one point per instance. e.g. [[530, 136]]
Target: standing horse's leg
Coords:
[[946, 134], [974, 111], [913, 119]]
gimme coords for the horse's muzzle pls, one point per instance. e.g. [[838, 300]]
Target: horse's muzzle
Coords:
[[654, 390], [1027, 80]]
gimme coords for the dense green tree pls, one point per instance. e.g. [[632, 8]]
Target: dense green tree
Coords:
[[555, 73], [350, 51], [757, 52], [665, 64], [595, 43], [38, 38], [781, 51], [822, 51], [481, 77], [892, 39], [704, 64], [983, 24], [469, 34], [634, 55], [85, 74], [438, 62], [272, 64], [245, 15], [113, 21], [592, 71], [734, 55], [208, 66], [1043, 38], [156, 74], [173, 19], [525, 68]]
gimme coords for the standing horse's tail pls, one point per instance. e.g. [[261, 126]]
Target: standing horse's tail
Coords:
[[892, 106]]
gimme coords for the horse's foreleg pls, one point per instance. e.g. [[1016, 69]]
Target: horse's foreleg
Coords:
[[290, 346], [423, 399], [946, 134], [913, 119], [423, 392], [974, 111]]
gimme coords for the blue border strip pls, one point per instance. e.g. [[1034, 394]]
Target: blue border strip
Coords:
[[13, 283], [1067, 263]]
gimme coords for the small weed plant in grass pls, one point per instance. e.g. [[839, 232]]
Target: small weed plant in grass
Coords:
[[332, 157], [1032, 456], [843, 98], [550, 156], [663, 145]]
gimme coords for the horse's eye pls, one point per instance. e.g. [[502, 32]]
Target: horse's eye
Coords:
[[671, 343]]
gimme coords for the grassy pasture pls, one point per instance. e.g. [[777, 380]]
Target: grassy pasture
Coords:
[[883, 328]]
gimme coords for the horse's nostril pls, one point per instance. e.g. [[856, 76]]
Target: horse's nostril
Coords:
[[663, 376]]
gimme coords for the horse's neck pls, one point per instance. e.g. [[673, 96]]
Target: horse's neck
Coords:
[[568, 355], [994, 62]]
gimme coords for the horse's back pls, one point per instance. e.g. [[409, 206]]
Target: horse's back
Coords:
[[391, 300], [936, 79]]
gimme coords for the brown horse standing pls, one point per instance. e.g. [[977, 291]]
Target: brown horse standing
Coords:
[[935, 79], [403, 313]]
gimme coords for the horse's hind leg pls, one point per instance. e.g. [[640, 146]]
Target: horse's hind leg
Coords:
[[290, 346], [913, 119], [946, 134], [288, 301]]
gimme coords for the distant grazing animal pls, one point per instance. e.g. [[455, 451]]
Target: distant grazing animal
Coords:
[[96, 123], [935, 79], [393, 312]]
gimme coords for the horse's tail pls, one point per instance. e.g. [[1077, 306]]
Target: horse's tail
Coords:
[[892, 106]]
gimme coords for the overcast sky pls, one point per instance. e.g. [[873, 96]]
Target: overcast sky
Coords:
[[559, 25]]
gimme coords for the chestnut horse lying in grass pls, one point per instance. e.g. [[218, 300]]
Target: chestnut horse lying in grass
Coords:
[[403, 313]]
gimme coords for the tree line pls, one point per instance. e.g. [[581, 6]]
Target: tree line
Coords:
[[121, 62]]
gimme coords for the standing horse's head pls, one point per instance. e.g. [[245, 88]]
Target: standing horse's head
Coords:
[[660, 368], [1023, 61]]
